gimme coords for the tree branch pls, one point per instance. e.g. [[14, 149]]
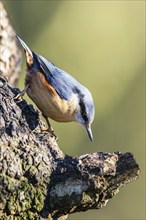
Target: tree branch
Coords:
[[38, 180]]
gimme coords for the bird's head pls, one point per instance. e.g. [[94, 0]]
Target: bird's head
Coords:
[[85, 114]]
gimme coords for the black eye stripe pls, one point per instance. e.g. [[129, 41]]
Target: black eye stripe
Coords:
[[81, 104], [83, 110]]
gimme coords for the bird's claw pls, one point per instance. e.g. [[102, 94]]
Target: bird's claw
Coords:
[[18, 98]]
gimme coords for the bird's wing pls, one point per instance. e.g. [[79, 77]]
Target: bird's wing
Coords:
[[63, 83]]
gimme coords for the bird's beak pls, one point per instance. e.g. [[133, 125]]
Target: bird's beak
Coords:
[[88, 128], [28, 52]]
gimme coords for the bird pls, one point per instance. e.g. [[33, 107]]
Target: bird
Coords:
[[57, 94]]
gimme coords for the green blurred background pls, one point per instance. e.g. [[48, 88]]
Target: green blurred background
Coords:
[[102, 44]]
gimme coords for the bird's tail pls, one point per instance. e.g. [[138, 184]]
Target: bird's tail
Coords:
[[28, 52]]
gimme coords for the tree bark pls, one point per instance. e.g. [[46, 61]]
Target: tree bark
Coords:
[[38, 181], [10, 53]]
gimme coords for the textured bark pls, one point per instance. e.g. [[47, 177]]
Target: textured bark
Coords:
[[38, 181], [10, 54]]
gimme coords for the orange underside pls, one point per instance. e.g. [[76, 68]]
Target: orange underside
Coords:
[[49, 87]]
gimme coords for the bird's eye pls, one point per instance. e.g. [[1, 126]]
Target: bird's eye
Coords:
[[83, 111]]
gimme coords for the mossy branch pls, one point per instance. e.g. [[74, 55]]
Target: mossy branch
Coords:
[[38, 181]]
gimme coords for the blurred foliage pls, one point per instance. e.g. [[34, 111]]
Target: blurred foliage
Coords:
[[102, 44]]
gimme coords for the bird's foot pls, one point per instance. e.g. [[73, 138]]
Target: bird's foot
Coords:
[[18, 97]]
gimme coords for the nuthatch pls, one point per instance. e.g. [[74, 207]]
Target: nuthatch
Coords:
[[56, 93]]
